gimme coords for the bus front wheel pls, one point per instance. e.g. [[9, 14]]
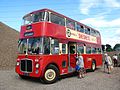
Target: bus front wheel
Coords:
[[51, 74]]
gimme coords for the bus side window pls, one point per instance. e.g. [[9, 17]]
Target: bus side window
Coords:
[[57, 19], [99, 50], [64, 48], [98, 34], [72, 49], [93, 33], [82, 29], [70, 24], [46, 46], [80, 49], [78, 27], [88, 50], [87, 31], [54, 46], [39, 17], [94, 50]]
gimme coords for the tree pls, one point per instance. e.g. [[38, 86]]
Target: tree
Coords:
[[108, 48], [116, 47]]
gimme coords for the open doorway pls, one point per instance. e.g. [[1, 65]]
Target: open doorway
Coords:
[[72, 50]]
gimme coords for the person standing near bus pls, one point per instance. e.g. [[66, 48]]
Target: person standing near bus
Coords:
[[108, 62], [80, 65], [115, 60]]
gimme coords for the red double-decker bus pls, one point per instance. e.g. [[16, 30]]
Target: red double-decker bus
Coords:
[[49, 43]]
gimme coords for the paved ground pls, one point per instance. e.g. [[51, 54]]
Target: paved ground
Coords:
[[97, 80]]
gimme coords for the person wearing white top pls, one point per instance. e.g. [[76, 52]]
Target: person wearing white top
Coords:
[[108, 61], [115, 60], [80, 63]]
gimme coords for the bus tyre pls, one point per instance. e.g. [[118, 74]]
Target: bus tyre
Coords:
[[93, 66], [51, 74]]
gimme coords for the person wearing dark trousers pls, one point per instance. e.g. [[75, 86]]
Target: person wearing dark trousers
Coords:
[[108, 62], [115, 60]]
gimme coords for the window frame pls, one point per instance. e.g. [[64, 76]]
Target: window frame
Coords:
[[55, 17], [46, 46], [52, 46], [88, 47], [80, 48], [65, 48], [87, 31], [70, 24], [93, 50]]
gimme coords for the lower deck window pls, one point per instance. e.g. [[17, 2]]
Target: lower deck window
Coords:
[[80, 49], [63, 48], [94, 50], [88, 50], [54, 46]]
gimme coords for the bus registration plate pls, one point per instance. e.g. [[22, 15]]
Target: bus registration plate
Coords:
[[26, 74]]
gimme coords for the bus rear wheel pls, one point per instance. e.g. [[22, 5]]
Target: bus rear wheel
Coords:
[[51, 74], [93, 66]]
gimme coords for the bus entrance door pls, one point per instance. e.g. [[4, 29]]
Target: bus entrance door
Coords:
[[71, 56]]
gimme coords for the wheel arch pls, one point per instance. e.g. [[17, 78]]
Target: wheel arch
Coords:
[[52, 63]]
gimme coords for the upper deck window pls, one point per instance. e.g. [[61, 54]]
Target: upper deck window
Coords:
[[80, 28], [35, 17], [87, 31], [92, 32], [57, 19], [70, 24], [95, 33]]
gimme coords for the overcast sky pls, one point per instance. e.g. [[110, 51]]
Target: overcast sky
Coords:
[[103, 15]]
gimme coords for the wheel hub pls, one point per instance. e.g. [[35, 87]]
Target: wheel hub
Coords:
[[50, 74]]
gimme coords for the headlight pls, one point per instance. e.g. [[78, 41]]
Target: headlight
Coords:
[[18, 63], [37, 65]]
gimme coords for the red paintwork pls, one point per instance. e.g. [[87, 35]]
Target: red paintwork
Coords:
[[45, 29], [45, 60], [96, 57], [52, 30], [59, 32]]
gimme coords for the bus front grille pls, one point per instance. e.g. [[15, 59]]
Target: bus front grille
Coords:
[[26, 65]]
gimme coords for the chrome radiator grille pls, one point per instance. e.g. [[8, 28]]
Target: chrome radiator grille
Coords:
[[26, 65]]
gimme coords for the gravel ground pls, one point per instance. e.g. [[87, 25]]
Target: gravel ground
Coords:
[[97, 80]]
